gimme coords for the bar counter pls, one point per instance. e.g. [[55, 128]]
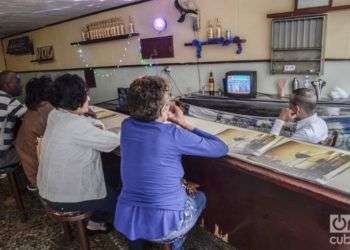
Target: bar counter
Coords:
[[256, 207]]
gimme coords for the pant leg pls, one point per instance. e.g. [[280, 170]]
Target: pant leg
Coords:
[[8, 158], [193, 208], [29, 163], [102, 208], [137, 245], [105, 209]]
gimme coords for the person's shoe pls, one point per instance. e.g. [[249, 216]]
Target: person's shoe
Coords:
[[31, 188], [97, 228], [2, 176]]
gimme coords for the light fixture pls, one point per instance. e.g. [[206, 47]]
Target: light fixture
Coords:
[[159, 24]]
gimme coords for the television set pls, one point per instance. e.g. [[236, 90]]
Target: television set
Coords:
[[241, 84]]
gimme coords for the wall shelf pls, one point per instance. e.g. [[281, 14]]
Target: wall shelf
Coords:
[[106, 39], [217, 41], [214, 42], [42, 60]]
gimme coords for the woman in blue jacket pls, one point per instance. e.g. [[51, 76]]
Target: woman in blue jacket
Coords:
[[153, 204]]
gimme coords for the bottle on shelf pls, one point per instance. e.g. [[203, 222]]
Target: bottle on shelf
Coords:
[[210, 30], [98, 30], [211, 84], [131, 25], [228, 35], [122, 27], [113, 30], [218, 29], [109, 28], [105, 29], [92, 31], [85, 34], [118, 22], [102, 30]]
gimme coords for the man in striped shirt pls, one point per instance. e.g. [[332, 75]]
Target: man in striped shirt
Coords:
[[11, 110]]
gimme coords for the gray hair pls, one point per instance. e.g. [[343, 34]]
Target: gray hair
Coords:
[[304, 98]]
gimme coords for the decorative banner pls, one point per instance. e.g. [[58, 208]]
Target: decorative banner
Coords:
[[45, 53]]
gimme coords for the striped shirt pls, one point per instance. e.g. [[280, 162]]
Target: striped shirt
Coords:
[[10, 111]]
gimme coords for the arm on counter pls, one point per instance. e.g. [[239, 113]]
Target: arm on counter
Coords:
[[91, 136], [277, 127], [199, 143]]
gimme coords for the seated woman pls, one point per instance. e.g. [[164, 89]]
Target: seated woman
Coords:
[[70, 176], [153, 204], [33, 125]]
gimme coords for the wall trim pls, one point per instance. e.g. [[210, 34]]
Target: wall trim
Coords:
[[78, 17], [171, 64]]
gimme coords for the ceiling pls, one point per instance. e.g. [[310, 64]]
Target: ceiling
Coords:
[[17, 16]]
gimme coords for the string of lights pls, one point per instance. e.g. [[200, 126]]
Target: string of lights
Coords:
[[84, 58]]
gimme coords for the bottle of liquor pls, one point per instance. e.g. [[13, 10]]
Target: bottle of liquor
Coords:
[[210, 30], [218, 29], [98, 30], [113, 30], [122, 27], [211, 84], [118, 21], [91, 31], [131, 25], [85, 34], [108, 28]]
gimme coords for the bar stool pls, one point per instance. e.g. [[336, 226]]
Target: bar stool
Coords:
[[140, 245], [10, 171], [68, 218]]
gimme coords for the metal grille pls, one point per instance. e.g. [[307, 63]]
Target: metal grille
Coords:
[[298, 42]]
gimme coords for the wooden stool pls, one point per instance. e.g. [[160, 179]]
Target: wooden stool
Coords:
[[140, 245], [10, 171], [66, 218]]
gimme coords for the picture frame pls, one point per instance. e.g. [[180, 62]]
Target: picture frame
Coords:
[[312, 4]]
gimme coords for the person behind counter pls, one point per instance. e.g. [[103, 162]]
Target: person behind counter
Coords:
[[37, 100], [310, 127], [70, 175], [153, 204]]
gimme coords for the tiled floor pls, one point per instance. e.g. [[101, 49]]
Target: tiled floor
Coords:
[[40, 232]]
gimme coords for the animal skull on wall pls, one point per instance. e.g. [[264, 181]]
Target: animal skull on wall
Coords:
[[188, 7]]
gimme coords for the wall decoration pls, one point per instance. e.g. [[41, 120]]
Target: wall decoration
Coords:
[[217, 41], [180, 6], [44, 54], [90, 77], [158, 47], [188, 7], [20, 46]]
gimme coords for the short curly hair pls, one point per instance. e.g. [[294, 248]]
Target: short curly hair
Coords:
[[69, 92], [38, 90], [146, 97]]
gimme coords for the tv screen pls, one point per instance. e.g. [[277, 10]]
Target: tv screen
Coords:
[[240, 83]]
